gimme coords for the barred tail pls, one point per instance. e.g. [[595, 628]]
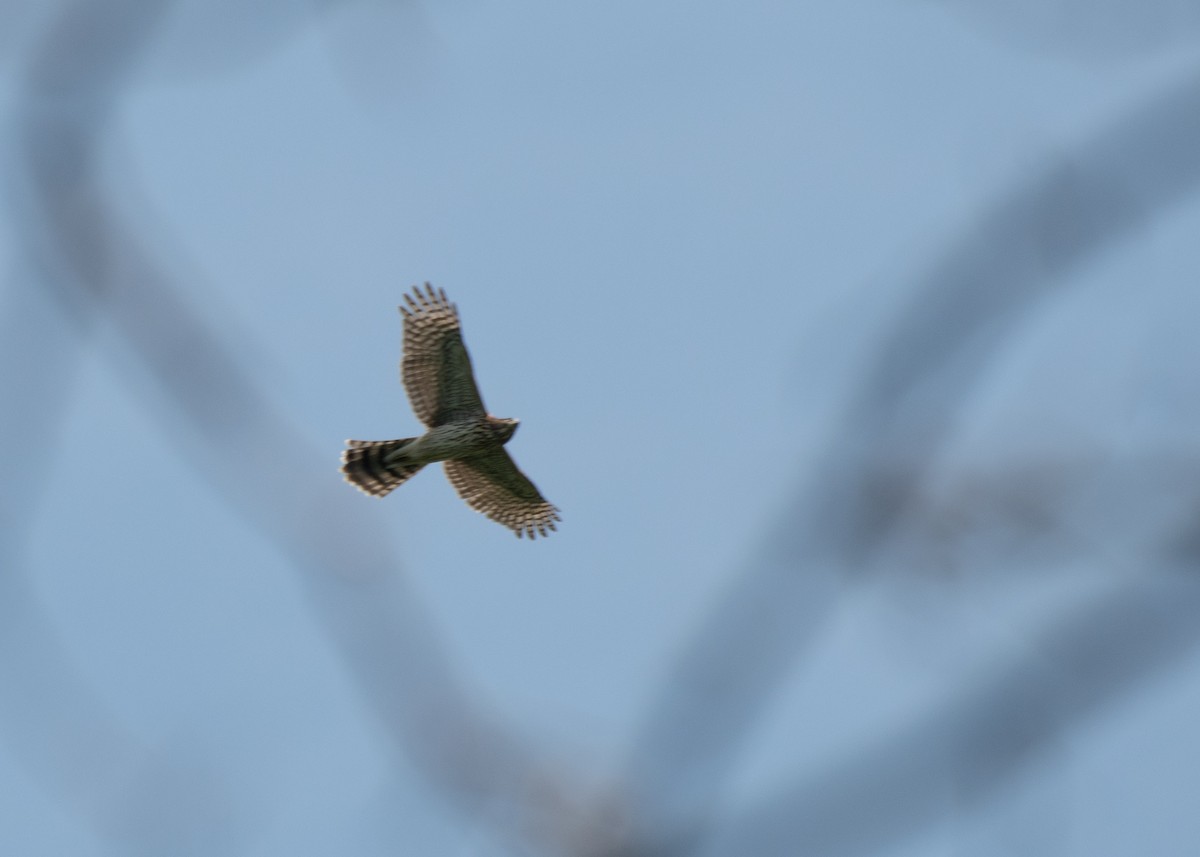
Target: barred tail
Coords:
[[367, 469]]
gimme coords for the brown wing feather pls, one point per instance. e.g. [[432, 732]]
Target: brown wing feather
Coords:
[[436, 368], [492, 484]]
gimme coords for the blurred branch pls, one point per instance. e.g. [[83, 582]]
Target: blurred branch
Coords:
[[962, 755], [87, 261], [962, 313], [1039, 513], [55, 723]]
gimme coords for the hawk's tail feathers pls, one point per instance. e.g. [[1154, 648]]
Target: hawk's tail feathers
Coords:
[[366, 467]]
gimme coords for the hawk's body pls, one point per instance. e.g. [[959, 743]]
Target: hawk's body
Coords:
[[441, 386]]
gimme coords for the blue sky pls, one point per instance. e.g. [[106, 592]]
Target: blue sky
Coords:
[[676, 236]]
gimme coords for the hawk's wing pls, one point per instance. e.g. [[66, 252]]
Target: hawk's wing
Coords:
[[492, 484], [436, 368]]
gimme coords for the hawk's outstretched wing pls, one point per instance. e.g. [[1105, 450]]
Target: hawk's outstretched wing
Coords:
[[492, 484], [436, 368]]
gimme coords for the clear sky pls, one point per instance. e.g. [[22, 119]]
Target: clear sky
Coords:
[[685, 240]]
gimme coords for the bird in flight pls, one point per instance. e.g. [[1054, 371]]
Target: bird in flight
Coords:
[[460, 433]]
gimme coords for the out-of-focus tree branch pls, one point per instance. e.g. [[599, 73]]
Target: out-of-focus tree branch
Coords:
[[963, 754], [87, 261], [54, 722], [961, 314]]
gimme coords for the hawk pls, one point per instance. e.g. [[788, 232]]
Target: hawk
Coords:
[[461, 434]]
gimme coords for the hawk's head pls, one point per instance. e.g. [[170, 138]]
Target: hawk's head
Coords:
[[504, 429]]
